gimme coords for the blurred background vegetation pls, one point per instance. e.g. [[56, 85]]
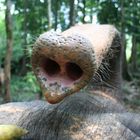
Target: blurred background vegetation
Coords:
[[22, 21]]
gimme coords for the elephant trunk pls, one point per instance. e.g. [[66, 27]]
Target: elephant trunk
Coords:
[[65, 62]]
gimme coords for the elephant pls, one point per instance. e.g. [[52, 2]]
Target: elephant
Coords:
[[79, 72]]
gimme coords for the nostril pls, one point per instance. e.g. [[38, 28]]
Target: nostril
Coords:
[[50, 66], [73, 71]]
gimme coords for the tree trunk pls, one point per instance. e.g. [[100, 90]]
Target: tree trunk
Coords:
[[91, 15], [84, 11], [72, 13], [23, 70], [56, 15], [49, 15], [7, 63], [134, 54], [1, 81], [125, 73]]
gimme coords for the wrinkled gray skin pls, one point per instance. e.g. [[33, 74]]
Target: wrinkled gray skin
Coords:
[[96, 114]]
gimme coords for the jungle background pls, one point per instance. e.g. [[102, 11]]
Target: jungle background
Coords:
[[22, 21]]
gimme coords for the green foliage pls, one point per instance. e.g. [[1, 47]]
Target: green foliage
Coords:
[[108, 12], [31, 80], [24, 88]]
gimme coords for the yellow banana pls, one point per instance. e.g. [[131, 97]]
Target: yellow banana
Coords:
[[11, 132]]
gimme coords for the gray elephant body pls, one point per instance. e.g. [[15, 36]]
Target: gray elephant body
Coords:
[[81, 116]]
